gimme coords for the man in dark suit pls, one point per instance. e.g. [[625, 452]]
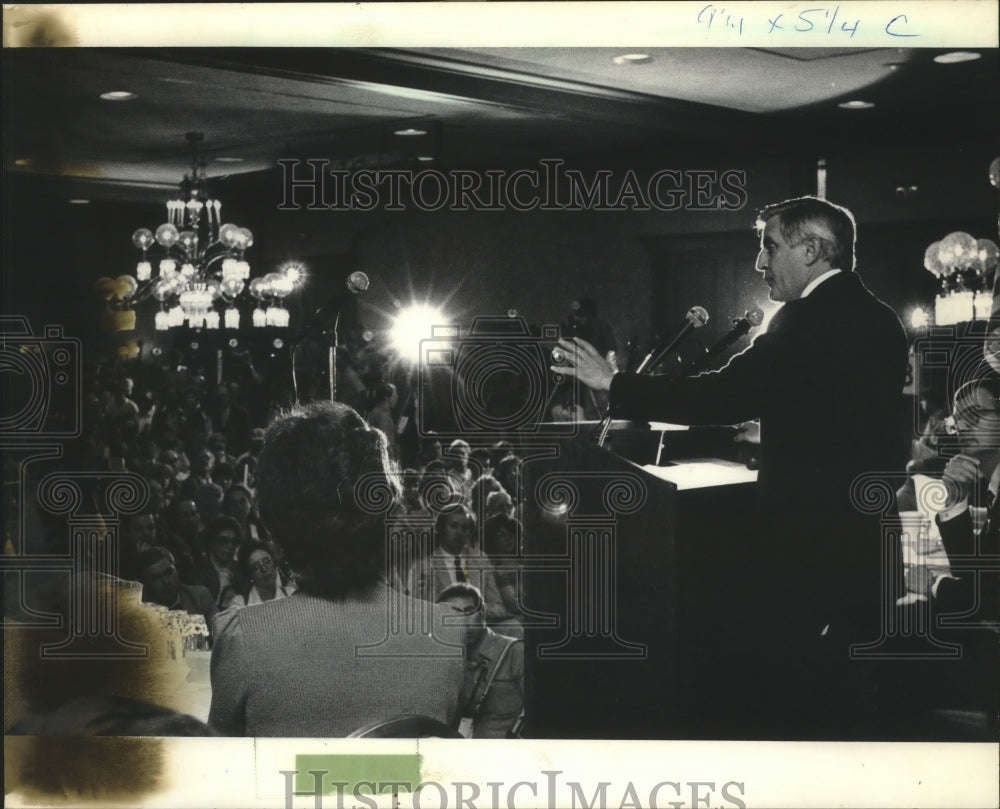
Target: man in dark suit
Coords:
[[825, 381]]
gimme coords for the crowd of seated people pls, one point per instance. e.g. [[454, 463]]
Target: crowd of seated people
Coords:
[[200, 546]]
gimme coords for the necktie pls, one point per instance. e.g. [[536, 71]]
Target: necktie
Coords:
[[460, 574]]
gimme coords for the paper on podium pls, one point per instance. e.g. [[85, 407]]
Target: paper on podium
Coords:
[[700, 473]]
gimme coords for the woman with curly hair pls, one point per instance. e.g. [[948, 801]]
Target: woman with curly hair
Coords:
[[346, 648]]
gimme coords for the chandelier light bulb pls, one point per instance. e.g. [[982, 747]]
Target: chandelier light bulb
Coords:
[[187, 239], [190, 280], [143, 238], [229, 235], [167, 235]]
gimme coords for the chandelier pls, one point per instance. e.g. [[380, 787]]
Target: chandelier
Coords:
[[965, 266], [200, 264]]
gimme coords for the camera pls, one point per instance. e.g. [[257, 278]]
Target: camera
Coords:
[[41, 382], [491, 382]]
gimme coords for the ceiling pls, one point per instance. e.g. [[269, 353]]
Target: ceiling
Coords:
[[477, 106]]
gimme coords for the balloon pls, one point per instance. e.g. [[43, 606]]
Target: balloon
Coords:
[[245, 239], [142, 238], [255, 288], [995, 172]]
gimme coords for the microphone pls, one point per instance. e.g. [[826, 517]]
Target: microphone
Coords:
[[357, 282], [694, 319], [751, 319]]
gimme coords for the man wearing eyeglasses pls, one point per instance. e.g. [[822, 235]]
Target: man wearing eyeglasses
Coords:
[[972, 587], [493, 696]]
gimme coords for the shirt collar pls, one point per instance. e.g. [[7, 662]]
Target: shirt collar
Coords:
[[817, 281]]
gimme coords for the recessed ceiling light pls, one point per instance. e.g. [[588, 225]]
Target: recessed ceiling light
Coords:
[[118, 95], [954, 57], [78, 201], [229, 159], [855, 105], [425, 158], [410, 133], [22, 161], [631, 58]]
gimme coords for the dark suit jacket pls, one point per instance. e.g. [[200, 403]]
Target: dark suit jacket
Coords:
[[826, 382]]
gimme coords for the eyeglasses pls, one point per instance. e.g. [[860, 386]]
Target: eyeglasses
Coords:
[[973, 417], [263, 564], [468, 610]]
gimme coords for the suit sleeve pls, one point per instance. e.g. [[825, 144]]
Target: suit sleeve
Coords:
[[229, 667], [733, 394]]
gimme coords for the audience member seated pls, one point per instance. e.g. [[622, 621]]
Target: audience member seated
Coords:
[[202, 462], [181, 534], [481, 462], [209, 498], [216, 569], [457, 464], [382, 399], [493, 697], [456, 559], [239, 504], [484, 486], [259, 569], [246, 464], [161, 585], [502, 544], [509, 475], [499, 503], [295, 666], [229, 419], [224, 474], [976, 418], [138, 534], [217, 443]]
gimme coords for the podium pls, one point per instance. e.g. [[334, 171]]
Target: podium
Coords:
[[623, 566]]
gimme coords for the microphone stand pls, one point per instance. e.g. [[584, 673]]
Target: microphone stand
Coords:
[[332, 356]]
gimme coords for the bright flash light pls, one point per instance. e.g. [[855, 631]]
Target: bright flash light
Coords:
[[293, 272], [413, 324], [919, 318]]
